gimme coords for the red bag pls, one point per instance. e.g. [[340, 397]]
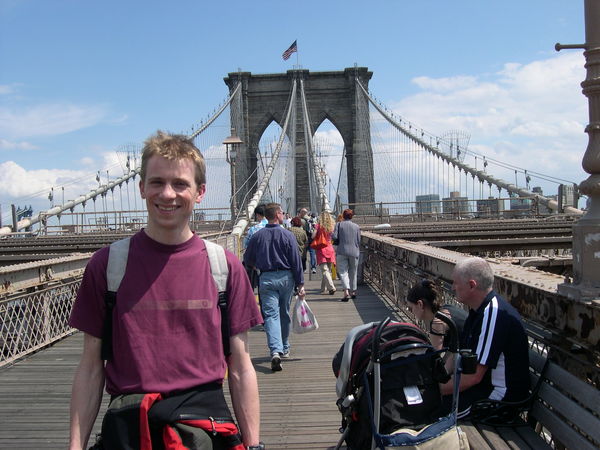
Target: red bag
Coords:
[[320, 240]]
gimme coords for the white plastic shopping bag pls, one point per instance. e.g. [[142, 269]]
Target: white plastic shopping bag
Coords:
[[303, 319]]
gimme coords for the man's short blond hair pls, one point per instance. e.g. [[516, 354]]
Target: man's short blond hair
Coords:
[[173, 147]]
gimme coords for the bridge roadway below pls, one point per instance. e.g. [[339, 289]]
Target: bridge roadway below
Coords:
[[298, 408]]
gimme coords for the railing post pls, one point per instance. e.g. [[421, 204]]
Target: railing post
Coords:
[[586, 242], [14, 218]]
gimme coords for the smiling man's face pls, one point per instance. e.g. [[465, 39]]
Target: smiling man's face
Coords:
[[170, 191]]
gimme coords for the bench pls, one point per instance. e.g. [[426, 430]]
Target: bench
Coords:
[[565, 411]]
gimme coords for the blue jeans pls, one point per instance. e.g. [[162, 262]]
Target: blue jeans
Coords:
[[275, 290], [313, 258]]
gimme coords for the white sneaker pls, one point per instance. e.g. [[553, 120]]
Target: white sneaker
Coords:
[[285, 355], [276, 363]]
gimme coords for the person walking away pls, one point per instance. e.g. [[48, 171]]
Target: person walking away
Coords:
[[166, 335], [301, 238], [347, 236], [259, 215], [326, 254], [274, 251], [287, 222], [312, 222], [308, 223]]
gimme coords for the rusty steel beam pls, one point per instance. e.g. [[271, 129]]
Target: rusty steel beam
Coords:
[[20, 277], [428, 234], [531, 291], [488, 245]]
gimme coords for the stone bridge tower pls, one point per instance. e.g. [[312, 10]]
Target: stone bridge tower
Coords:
[[329, 95]]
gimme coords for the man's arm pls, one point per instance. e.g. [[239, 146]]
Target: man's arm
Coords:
[[251, 231], [243, 388], [86, 393], [466, 381], [334, 234]]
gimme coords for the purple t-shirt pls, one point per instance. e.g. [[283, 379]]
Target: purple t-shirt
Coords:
[[167, 325]]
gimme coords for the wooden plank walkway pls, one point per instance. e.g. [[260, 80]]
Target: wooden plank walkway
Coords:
[[298, 408]]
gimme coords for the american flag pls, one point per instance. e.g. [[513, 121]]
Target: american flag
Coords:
[[293, 48]]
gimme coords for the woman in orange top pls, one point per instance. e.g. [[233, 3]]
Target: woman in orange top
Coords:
[[325, 255]]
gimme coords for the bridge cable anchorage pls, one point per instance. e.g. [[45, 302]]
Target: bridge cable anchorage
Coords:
[[214, 117], [481, 175], [316, 166], [241, 225]]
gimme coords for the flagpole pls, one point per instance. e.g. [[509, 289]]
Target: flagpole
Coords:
[[297, 56]]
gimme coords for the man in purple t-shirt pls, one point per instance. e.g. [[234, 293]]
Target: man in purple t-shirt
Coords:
[[166, 324]]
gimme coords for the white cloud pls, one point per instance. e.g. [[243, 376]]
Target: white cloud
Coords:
[[87, 162], [115, 163], [31, 186], [9, 145], [529, 115], [445, 84], [329, 138], [6, 89], [48, 119]]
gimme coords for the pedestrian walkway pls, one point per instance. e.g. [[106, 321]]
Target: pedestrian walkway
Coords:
[[298, 408]]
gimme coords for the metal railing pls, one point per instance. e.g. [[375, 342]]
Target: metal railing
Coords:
[[393, 281], [128, 221], [450, 209], [31, 321]]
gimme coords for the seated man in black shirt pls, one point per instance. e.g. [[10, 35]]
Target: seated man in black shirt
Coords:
[[494, 332]]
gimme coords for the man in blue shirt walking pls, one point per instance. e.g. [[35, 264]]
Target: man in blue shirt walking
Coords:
[[274, 251]]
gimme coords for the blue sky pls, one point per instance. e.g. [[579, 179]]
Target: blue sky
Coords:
[[79, 79]]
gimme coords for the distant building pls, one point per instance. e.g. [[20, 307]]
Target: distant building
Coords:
[[542, 209], [567, 196], [490, 207], [455, 205], [428, 204], [520, 207]]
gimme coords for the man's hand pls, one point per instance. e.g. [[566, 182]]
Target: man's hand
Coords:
[[301, 292]]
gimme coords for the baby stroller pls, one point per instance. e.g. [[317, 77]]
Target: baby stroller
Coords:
[[388, 377]]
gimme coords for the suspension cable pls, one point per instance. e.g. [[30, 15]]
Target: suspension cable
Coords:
[[482, 176], [217, 113]]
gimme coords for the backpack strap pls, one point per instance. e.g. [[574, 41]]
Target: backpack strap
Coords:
[[220, 272], [115, 270]]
